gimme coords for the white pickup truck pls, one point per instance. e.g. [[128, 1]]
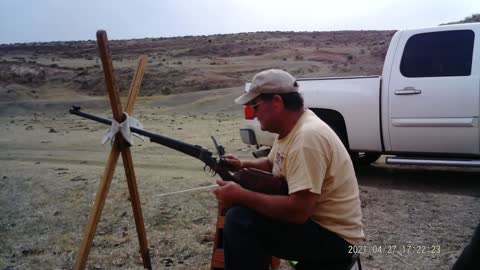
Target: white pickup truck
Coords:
[[423, 109]]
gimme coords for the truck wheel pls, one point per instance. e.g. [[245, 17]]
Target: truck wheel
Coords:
[[363, 159], [336, 121]]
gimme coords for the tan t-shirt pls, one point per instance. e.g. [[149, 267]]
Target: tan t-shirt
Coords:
[[312, 157]]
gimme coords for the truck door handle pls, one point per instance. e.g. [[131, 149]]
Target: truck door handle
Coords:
[[408, 91]]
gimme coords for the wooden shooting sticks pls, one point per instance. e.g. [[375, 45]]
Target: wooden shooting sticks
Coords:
[[119, 146]]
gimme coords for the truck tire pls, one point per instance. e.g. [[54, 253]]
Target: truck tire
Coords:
[[336, 121], [363, 159]]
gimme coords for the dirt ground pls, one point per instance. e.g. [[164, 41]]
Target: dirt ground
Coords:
[[52, 163]]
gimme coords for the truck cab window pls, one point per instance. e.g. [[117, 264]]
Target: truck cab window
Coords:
[[438, 54]]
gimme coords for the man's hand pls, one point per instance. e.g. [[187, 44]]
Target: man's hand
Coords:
[[229, 193], [233, 161]]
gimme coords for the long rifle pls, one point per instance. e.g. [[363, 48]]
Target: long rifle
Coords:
[[252, 179]]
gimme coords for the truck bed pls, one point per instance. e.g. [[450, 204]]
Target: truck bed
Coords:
[[360, 106]]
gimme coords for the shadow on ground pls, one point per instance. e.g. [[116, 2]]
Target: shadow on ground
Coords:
[[456, 181]]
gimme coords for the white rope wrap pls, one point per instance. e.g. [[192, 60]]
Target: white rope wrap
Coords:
[[186, 190], [124, 129]]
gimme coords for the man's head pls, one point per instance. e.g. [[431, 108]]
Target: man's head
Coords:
[[272, 81], [274, 97]]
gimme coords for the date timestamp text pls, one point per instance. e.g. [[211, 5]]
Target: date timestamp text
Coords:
[[390, 249]]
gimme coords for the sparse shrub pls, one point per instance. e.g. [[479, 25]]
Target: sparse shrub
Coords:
[[83, 73], [166, 91], [284, 59], [53, 65], [362, 51], [19, 58], [350, 57]]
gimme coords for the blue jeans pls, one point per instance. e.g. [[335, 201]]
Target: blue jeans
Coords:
[[250, 239]]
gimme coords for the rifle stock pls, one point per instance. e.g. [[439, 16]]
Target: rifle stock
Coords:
[[252, 179]]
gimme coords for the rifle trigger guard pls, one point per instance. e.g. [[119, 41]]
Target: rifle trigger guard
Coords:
[[210, 172]]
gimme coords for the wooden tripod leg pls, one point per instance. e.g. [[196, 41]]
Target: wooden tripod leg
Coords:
[[96, 211], [130, 172], [136, 206], [135, 86]]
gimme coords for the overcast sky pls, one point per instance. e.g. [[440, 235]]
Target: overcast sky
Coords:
[[62, 20]]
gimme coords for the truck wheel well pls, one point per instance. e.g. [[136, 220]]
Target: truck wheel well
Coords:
[[336, 121]]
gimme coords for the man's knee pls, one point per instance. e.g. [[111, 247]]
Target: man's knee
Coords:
[[239, 217], [241, 242]]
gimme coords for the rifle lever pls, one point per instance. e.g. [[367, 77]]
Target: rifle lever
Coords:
[[221, 153]]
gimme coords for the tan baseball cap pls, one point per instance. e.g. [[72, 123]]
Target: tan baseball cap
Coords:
[[272, 81]]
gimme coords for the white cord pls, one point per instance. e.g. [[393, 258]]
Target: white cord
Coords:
[[186, 190]]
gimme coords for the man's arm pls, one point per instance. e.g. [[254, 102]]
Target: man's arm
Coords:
[[259, 163], [294, 208]]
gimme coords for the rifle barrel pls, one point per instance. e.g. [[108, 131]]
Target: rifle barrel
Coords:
[[186, 148]]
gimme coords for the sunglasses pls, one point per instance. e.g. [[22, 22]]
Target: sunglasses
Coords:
[[255, 106]]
